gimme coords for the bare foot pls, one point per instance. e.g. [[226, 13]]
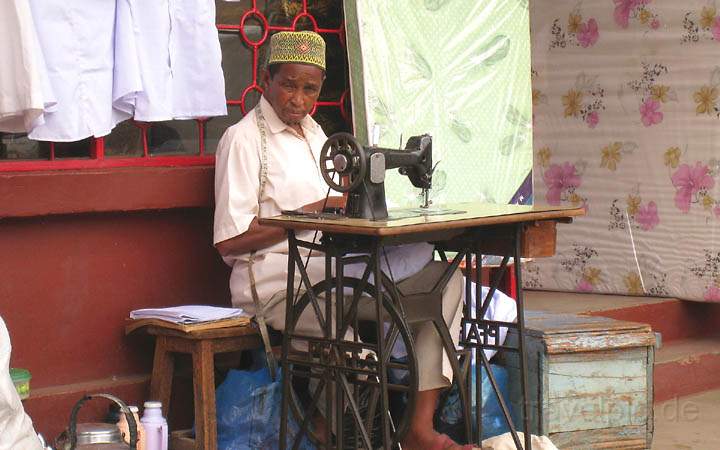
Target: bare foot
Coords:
[[428, 439], [320, 428]]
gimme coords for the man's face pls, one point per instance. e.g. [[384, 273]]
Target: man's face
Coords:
[[293, 90]]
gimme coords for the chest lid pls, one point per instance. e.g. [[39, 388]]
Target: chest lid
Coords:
[[570, 333]]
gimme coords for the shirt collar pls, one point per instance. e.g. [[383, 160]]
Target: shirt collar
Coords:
[[276, 125]]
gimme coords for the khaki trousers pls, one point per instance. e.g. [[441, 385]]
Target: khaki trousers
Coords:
[[434, 369]]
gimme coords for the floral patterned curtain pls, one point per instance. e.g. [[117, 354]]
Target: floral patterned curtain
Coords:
[[626, 123]]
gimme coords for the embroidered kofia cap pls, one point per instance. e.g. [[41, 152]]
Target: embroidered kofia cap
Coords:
[[300, 47]]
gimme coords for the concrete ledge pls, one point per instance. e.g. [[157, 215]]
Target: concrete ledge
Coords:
[[29, 194]]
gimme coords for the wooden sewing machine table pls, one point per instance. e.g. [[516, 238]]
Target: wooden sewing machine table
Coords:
[[360, 405]]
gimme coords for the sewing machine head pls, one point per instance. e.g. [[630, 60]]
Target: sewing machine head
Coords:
[[363, 168]]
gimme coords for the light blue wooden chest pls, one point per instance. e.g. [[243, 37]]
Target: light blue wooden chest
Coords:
[[590, 380]]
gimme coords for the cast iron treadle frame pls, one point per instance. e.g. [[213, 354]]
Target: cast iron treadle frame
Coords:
[[477, 333], [335, 361]]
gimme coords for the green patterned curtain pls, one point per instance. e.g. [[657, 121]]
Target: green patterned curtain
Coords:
[[457, 69]]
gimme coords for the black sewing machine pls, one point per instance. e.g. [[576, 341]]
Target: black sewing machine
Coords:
[[363, 171]]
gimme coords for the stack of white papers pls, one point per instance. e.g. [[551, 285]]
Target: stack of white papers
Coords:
[[187, 314]]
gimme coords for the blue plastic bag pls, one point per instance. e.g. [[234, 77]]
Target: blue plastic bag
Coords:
[[493, 420], [449, 419], [248, 412]]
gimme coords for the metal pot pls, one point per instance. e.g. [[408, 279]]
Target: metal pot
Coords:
[[97, 436]]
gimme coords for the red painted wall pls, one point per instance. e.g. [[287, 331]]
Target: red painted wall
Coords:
[[68, 281]]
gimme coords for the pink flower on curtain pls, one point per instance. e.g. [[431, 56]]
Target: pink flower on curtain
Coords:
[[559, 178], [649, 112], [712, 294], [689, 181], [716, 29], [655, 24], [584, 286], [592, 119], [716, 211], [647, 216], [588, 33], [623, 8]]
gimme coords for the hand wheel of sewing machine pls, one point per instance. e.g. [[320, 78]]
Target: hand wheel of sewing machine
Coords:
[[342, 156], [353, 361]]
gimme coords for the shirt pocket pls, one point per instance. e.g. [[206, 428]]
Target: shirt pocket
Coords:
[[294, 183]]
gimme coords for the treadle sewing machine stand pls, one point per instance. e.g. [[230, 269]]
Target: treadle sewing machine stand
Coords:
[[338, 360], [352, 364]]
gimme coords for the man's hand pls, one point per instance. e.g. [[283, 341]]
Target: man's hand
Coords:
[[255, 238]]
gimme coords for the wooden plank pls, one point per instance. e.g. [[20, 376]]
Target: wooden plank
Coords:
[[541, 323], [162, 374], [204, 396], [219, 333], [625, 438], [603, 377], [241, 321], [597, 411], [571, 333], [639, 353], [472, 215], [588, 342], [539, 240], [650, 426]]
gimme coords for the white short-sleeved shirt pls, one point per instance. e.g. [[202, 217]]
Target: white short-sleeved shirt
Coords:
[[293, 180], [25, 92], [108, 60], [80, 59], [177, 57]]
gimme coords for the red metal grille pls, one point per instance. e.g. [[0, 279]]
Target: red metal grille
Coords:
[[267, 28], [95, 153]]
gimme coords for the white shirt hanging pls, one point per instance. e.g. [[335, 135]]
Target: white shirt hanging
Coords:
[[196, 60], [77, 40], [25, 92], [179, 60], [127, 80]]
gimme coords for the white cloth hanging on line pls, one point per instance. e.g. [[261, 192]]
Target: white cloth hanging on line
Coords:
[[110, 60], [77, 39], [25, 92], [127, 79], [179, 60]]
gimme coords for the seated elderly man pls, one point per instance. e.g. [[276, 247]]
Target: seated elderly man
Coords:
[[268, 162]]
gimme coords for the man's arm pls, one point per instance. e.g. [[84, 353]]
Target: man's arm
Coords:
[[261, 236], [255, 238]]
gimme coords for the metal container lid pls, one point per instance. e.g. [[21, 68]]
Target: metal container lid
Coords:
[[98, 433]]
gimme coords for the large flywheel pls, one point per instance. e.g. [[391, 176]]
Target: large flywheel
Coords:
[[342, 156]]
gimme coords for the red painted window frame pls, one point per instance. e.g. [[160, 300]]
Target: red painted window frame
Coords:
[[97, 158]]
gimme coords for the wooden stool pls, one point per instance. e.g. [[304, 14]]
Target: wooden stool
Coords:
[[202, 345]]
